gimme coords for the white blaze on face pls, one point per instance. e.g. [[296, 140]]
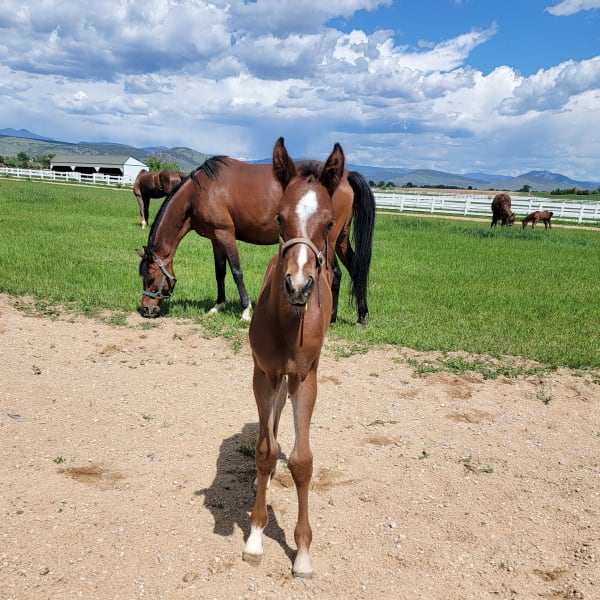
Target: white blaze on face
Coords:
[[305, 209]]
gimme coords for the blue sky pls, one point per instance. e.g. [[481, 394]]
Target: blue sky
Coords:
[[454, 85]]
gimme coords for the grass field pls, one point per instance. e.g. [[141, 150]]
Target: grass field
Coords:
[[436, 284]]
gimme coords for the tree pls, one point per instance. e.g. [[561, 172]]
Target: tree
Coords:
[[23, 160], [526, 188], [155, 164]]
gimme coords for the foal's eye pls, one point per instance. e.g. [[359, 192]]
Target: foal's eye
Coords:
[[279, 220], [330, 225]]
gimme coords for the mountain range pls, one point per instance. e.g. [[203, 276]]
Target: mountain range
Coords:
[[13, 141]]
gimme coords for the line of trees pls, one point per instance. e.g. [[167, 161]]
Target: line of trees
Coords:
[[24, 161]]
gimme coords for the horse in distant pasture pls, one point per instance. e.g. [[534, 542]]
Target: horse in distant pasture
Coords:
[[286, 334], [501, 210], [226, 200], [156, 184], [539, 215]]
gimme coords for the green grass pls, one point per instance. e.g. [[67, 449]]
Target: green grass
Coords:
[[436, 284]]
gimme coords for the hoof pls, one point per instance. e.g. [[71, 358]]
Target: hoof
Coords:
[[302, 575], [252, 559]]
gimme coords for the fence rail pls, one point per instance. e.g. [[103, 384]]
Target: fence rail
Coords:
[[47, 175], [480, 205], [475, 205]]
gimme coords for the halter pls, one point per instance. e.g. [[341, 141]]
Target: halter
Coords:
[[166, 275], [321, 259]]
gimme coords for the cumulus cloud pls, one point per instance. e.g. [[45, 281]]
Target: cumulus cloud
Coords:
[[570, 7], [233, 75]]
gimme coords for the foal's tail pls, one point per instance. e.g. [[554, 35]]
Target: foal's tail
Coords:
[[362, 238]]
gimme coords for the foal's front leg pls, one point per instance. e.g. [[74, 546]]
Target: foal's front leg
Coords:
[[270, 400], [301, 465]]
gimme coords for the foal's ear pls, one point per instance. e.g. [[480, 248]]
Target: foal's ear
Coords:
[[140, 252], [284, 168], [333, 171]]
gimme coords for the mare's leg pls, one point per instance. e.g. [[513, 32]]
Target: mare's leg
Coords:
[[303, 396], [269, 401], [335, 290], [220, 271], [227, 239], [345, 252], [143, 215]]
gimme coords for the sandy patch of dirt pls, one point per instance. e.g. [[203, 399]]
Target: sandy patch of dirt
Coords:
[[124, 473]]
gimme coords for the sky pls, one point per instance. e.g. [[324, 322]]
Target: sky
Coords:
[[462, 86]]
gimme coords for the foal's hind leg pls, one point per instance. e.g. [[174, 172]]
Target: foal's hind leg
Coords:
[[269, 401]]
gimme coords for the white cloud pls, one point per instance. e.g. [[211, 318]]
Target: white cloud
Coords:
[[571, 7]]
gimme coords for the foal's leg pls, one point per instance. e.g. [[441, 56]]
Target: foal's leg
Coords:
[[269, 401], [220, 271], [303, 396], [227, 239]]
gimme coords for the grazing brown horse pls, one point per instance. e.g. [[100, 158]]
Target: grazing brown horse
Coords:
[[154, 185], [227, 200], [287, 333], [501, 210], [539, 215]]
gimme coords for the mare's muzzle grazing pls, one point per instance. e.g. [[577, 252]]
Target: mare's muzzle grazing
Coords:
[[299, 295], [167, 279]]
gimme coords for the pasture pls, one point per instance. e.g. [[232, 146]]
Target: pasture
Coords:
[[439, 472], [435, 284]]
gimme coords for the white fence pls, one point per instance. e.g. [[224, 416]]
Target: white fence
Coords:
[[448, 203], [47, 175], [480, 205]]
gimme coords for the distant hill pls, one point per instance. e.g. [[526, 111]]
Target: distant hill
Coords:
[[23, 133], [186, 158], [12, 142]]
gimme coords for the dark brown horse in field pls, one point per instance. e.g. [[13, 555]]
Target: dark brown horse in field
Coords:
[[154, 185], [287, 333], [226, 200], [539, 215], [501, 210]]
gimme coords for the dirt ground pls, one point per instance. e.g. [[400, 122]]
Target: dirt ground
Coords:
[[124, 473]]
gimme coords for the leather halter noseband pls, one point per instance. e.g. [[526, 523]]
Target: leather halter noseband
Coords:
[[321, 259], [158, 295]]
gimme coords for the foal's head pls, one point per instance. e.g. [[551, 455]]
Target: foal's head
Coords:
[[305, 219]]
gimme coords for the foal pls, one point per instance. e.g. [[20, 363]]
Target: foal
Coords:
[[287, 331], [539, 215]]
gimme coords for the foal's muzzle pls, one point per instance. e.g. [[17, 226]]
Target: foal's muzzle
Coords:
[[298, 297]]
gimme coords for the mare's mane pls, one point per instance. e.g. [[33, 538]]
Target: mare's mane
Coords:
[[210, 167]]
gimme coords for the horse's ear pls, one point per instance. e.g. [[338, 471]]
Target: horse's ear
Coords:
[[333, 171], [284, 168], [140, 252]]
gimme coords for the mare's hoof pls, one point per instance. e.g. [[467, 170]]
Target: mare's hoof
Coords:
[[252, 559]]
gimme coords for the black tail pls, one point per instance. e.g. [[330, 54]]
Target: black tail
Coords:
[[362, 238]]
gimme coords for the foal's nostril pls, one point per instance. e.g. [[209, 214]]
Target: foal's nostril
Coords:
[[287, 282]]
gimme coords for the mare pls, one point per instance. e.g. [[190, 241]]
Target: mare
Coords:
[[501, 210], [154, 185], [539, 215], [286, 334], [226, 200]]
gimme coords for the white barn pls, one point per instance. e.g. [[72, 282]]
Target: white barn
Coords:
[[126, 167]]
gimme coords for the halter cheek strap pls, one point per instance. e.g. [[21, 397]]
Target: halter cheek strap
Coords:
[[158, 295], [321, 258]]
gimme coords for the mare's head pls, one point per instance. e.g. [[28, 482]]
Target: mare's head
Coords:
[[511, 218], [158, 280], [305, 219]]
